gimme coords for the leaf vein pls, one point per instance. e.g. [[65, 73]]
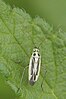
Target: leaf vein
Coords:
[[14, 37]]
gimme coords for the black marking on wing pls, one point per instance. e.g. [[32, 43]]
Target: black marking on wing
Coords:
[[31, 78], [37, 67], [34, 76], [32, 66]]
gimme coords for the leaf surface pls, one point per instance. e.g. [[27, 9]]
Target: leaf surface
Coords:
[[19, 34]]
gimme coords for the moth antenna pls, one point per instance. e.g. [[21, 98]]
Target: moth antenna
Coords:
[[22, 78]]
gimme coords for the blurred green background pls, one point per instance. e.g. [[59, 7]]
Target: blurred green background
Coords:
[[53, 11], [5, 91]]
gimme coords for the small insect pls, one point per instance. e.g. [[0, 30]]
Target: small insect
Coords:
[[34, 66]]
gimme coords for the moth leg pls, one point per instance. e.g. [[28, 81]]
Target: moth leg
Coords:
[[22, 78], [43, 80]]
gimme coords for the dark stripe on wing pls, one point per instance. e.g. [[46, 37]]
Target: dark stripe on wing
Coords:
[[37, 67], [34, 76], [32, 66]]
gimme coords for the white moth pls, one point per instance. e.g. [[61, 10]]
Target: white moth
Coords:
[[34, 66]]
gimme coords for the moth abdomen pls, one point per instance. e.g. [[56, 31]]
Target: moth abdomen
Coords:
[[32, 81]]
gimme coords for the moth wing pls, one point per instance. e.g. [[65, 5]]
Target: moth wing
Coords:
[[30, 68], [38, 69]]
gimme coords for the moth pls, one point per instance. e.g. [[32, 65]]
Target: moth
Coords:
[[34, 66]]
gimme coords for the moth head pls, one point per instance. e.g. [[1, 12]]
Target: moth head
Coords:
[[36, 52]]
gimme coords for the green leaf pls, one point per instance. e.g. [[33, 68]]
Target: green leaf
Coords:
[[19, 34]]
